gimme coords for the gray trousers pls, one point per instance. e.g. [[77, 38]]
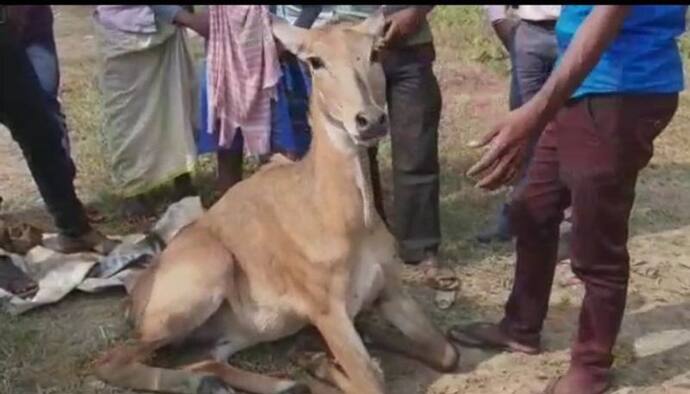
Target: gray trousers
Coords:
[[414, 107], [533, 54]]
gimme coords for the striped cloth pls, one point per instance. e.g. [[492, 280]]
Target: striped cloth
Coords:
[[243, 72]]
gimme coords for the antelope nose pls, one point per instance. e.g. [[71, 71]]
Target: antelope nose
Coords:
[[371, 124]]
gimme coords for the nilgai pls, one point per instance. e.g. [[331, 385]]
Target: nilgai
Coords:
[[296, 244]]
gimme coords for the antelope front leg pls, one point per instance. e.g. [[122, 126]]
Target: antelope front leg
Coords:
[[361, 374], [421, 339]]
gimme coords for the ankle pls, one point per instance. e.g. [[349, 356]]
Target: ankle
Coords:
[[530, 344]]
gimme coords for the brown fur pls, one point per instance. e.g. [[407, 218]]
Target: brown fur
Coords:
[[295, 244]]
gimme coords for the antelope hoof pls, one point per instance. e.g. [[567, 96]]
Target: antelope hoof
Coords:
[[297, 388], [213, 385]]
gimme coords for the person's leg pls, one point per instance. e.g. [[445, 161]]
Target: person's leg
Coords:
[[536, 213], [284, 137], [376, 182], [38, 134], [500, 231], [183, 186], [414, 106], [44, 59], [308, 15], [533, 56], [230, 164], [601, 159]]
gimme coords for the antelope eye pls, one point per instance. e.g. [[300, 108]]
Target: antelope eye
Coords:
[[316, 62]]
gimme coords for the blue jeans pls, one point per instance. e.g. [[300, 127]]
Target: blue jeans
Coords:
[[533, 55], [43, 57]]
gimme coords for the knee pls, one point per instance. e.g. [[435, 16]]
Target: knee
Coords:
[[527, 219], [418, 160], [599, 261], [612, 276]]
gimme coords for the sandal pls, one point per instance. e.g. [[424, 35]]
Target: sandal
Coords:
[[446, 285], [487, 336], [444, 279]]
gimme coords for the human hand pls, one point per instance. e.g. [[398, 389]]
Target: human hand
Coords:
[[507, 144], [403, 24], [199, 22], [504, 29]]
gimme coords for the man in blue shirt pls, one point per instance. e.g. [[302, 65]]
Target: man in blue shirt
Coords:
[[614, 90]]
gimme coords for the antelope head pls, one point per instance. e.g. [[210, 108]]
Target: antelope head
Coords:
[[349, 86]]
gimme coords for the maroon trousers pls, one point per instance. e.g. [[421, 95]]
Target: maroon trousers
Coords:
[[589, 156]]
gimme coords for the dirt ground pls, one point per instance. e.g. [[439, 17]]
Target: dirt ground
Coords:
[[49, 351]]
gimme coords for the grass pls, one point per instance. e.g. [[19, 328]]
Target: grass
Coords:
[[50, 350], [465, 31]]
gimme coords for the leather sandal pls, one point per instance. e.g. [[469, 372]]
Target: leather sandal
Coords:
[[487, 336]]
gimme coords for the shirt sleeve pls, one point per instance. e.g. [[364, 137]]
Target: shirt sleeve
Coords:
[[495, 12], [166, 13]]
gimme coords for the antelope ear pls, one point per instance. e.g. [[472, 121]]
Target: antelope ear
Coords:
[[292, 38], [374, 25]]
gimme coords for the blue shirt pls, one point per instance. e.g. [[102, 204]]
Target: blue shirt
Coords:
[[643, 59]]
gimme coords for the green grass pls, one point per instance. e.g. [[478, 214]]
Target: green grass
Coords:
[[465, 31]]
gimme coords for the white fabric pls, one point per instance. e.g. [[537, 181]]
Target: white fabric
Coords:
[[149, 102], [539, 12], [292, 12], [526, 12], [59, 274], [495, 12]]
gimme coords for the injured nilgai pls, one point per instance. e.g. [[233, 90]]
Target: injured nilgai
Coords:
[[293, 245]]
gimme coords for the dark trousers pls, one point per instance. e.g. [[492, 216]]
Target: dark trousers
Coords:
[[589, 156], [43, 57], [35, 127], [533, 54], [414, 107]]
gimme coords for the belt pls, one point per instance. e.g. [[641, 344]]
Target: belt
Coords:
[[546, 24]]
